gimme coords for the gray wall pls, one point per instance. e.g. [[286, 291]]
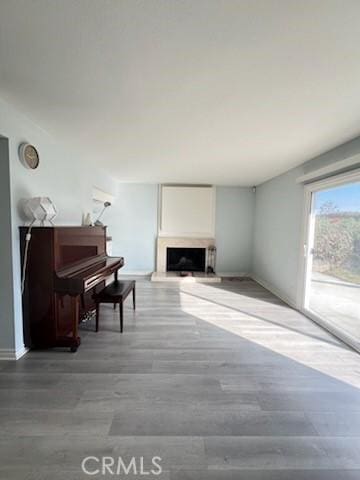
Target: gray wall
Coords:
[[278, 224], [6, 272], [341, 152], [234, 229], [63, 175], [67, 178], [277, 231], [132, 223]]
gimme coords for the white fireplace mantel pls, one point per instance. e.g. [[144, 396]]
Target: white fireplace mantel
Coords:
[[186, 242]]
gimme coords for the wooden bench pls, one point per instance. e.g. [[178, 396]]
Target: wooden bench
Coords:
[[115, 293]]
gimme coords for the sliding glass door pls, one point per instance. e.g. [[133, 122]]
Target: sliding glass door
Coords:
[[332, 270]]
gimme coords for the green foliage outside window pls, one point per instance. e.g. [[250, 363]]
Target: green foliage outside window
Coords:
[[337, 243]]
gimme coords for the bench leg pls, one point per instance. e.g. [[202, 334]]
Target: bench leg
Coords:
[[97, 317], [134, 298], [121, 316]]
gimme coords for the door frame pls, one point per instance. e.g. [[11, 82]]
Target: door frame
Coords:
[[305, 258]]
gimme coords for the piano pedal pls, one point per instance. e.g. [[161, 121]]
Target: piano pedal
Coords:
[[88, 316]]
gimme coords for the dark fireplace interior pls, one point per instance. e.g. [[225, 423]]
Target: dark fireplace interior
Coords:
[[185, 259]]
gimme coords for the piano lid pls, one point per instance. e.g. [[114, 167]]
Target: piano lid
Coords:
[[83, 276], [87, 267]]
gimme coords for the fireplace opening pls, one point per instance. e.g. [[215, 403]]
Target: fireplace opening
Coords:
[[185, 259]]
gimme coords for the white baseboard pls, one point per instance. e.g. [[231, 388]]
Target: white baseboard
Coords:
[[12, 354], [136, 273], [233, 274], [329, 327], [349, 340], [20, 352], [140, 273], [174, 277], [274, 291], [7, 354]]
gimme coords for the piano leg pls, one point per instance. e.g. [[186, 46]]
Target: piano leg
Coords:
[[75, 341]]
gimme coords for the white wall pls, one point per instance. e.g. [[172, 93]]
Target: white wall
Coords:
[[63, 175], [278, 224], [234, 229], [132, 223]]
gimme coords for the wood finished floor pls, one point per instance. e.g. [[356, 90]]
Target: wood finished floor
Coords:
[[223, 382]]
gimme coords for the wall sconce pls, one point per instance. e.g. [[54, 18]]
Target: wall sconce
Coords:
[[97, 221]]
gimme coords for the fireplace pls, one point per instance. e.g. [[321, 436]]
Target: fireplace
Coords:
[[174, 255], [179, 259]]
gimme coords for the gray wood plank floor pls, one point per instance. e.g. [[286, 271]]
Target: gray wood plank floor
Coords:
[[220, 381]]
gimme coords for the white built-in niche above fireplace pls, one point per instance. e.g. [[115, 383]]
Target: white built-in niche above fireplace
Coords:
[[186, 222], [187, 211]]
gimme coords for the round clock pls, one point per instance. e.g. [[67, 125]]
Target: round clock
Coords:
[[29, 155]]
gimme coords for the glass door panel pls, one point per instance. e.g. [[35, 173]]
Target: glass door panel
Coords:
[[333, 264]]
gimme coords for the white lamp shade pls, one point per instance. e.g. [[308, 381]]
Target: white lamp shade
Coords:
[[40, 208]]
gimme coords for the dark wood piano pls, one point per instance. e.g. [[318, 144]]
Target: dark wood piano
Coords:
[[65, 266]]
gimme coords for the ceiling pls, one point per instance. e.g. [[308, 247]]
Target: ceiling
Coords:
[[192, 91]]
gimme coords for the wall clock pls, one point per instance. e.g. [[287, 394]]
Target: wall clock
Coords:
[[29, 155]]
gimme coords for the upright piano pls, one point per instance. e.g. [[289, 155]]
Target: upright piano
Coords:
[[65, 266]]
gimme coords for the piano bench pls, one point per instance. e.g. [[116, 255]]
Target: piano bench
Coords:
[[115, 293]]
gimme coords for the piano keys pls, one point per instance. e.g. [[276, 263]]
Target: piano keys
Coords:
[[65, 267]]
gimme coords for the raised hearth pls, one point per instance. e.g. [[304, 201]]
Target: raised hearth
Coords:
[[196, 277], [165, 243]]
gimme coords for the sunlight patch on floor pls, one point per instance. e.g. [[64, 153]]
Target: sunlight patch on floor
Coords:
[[289, 336]]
